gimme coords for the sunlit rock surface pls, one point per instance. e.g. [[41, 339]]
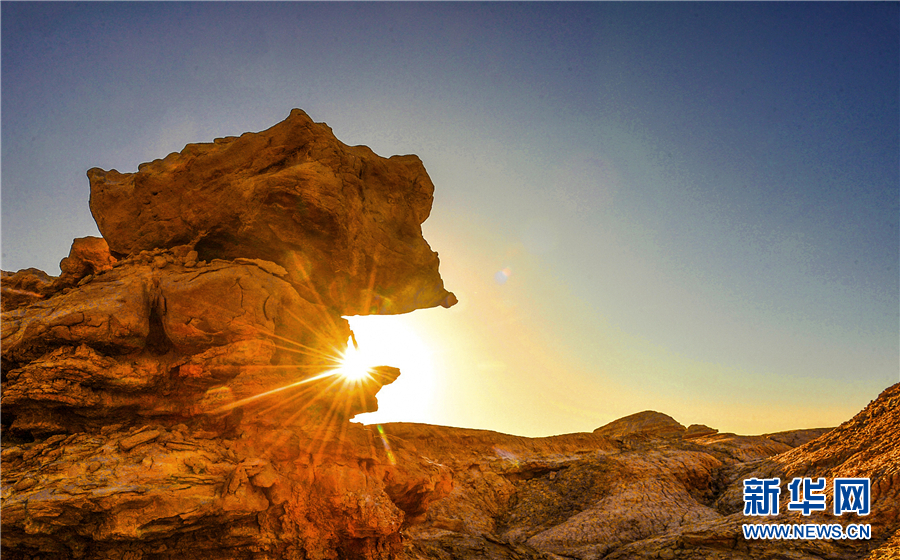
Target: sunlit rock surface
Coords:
[[643, 425], [343, 222], [152, 337]]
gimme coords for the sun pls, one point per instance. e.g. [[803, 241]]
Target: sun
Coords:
[[354, 367], [398, 341]]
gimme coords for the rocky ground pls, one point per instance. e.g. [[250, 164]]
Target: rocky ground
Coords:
[[647, 487], [172, 394]]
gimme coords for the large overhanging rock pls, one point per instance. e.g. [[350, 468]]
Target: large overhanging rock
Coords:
[[174, 392], [344, 222]]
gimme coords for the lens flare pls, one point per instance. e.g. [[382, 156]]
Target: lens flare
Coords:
[[502, 275], [387, 446]]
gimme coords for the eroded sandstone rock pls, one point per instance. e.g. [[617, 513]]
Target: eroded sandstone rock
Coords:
[[175, 493], [155, 342], [699, 430], [88, 256], [24, 287], [127, 403], [344, 222], [174, 393]]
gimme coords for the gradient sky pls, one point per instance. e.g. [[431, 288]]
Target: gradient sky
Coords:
[[686, 207]]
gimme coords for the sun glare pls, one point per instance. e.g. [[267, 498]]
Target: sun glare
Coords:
[[354, 366], [392, 340]]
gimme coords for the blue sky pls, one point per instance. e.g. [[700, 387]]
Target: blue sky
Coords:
[[696, 203]]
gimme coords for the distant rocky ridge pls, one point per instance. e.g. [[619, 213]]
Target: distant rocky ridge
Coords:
[[647, 424], [168, 396], [641, 488]]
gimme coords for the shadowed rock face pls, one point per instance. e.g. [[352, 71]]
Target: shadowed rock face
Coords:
[[343, 222]]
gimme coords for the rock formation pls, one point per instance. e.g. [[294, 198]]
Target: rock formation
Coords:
[[173, 392], [344, 223]]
